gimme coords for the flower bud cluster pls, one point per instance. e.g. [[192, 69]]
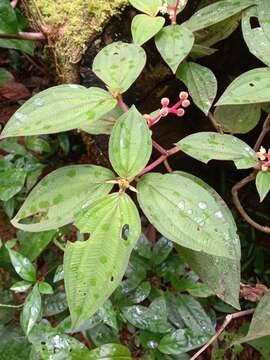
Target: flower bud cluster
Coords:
[[264, 157]]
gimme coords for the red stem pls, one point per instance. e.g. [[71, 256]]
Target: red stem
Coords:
[[36, 36], [174, 9], [121, 103]]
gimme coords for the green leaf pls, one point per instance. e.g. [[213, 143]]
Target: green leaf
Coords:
[[110, 352], [8, 19], [152, 318], [59, 274], [184, 212], [222, 275], [13, 343], [33, 244], [201, 83], [262, 345], [31, 310], [5, 75], [60, 108], [55, 304], [199, 51], [256, 39], [22, 265], [108, 315], [174, 42], [104, 124], [11, 181], [94, 268], [161, 250], [144, 27], [216, 12], [21, 286], [149, 7], [118, 65], [61, 194], [263, 184], [264, 15], [251, 87], [206, 146], [238, 119], [130, 144], [26, 46], [45, 288]]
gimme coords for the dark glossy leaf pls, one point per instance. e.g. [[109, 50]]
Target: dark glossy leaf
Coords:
[[143, 247], [21, 286], [11, 182], [22, 266], [59, 274], [26, 46], [33, 244], [45, 288], [161, 250], [13, 343], [8, 19], [31, 310], [5, 75], [55, 304], [263, 184]]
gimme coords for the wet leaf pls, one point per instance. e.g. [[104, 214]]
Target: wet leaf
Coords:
[[22, 265], [8, 20], [110, 352], [144, 27], [174, 42], [150, 7], [184, 212], [238, 119], [161, 250], [143, 247], [130, 144], [94, 268], [221, 10], [45, 288], [33, 244], [206, 146], [119, 64], [31, 310], [59, 108], [263, 184], [201, 83], [61, 194], [12, 180], [12, 343], [59, 274], [21, 286], [55, 304]]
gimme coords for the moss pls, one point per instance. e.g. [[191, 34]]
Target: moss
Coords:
[[74, 23]]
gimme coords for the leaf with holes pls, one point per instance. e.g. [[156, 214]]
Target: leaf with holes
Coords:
[[184, 212], [256, 39], [130, 144], [61, 194], [174, 42], [149, 7], [22, 265], [8, 19], [31, 310], [221, 274], [144, 27], [110, 352], [263, 184], [60, 108], [238, 119], [264, 15], [94, 268], [119, 64], [214, 13], [251, 87], [201, 83], [206, 146]]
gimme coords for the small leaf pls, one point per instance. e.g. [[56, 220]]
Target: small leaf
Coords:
[[12, 180], [248, 88], [22, 266], [31, 310], [161, 250], [201, 83], [118, 65], [61, 194], [130, 144], [206, 146], [149, 7], [94, 268], [174, 42], [110, 352], [60, 108], [33, 244], [45, 288], [238, 119], [184, 212], [55, 303], [215, 13], [8, 19], [59, 274], [263, 184], [5, 75], [21, 286], [144, 27]]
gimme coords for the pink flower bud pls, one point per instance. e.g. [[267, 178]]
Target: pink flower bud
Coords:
[[185, 103], [164, 111], [183, 95], [180, 112], [264, 168], [165, 102], [147, 117]]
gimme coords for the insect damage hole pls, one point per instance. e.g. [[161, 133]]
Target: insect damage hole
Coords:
[[125, 232]]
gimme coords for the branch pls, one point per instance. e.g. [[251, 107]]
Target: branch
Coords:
[[227, 321], [239, 206], [36, 36], [264, 132], [215, 123]]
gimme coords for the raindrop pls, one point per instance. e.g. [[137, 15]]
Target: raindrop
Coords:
[[38, 102], [125, 232], [73, 86], [181, 205], [202, 205], [219, 215]]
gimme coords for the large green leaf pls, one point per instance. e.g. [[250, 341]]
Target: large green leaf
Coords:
[[13, 343], [251, 87], [61, 194], [257, 40], [144, 27], [26, 46], [184, 212], [110, 352], [130, 144], [221, 274], [264, 15], [201, 83], [216, 12], [150, 7], [60, 108], [31, 310], [174, 42], [22, 265], [8, 19], [263, 184], [238, 119], [94, 268], [119, 64], [205, 146]]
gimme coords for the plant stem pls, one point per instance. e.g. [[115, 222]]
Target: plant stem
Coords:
[[264, 132], [175, 8], [58, 244], [121, 103], [11, 306], [227, 321], [159, 148], [215, 123], [86, 340], [36, 36]]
